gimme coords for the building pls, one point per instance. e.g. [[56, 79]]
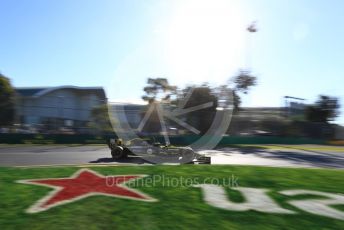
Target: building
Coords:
[[132, 113], [56, 107], [339, 132], [297, 109]]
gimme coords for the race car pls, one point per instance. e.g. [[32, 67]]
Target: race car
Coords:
[[154, 151]]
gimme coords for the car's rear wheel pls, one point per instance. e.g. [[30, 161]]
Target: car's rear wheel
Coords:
[[118, 153]]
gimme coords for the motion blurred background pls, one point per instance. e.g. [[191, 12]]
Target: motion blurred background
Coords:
[[63, 63]]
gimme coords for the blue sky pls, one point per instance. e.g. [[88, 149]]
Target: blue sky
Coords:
[[298, 50]]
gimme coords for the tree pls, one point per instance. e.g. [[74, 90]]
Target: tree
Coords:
[[325, 109], [158, 87], [157, 90], [203, 118], [100, 120], [7, 101], [242, 83]]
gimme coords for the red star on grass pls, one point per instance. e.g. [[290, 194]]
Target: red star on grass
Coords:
[[82, 184]]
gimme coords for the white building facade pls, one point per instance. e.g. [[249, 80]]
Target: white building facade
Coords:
[[66, 106]]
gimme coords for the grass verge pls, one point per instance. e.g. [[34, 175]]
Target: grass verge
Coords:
[[179, 207]]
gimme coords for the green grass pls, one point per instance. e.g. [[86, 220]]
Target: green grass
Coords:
[[179, 207]]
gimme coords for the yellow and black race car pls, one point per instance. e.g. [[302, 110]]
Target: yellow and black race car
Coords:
[[154, 151]]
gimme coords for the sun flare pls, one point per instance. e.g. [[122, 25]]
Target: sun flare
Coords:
[[205, 41]]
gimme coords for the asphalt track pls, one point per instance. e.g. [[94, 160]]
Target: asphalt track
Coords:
[[269, 155]]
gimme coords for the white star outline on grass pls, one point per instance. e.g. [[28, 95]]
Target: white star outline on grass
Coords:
[[42, 204]]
